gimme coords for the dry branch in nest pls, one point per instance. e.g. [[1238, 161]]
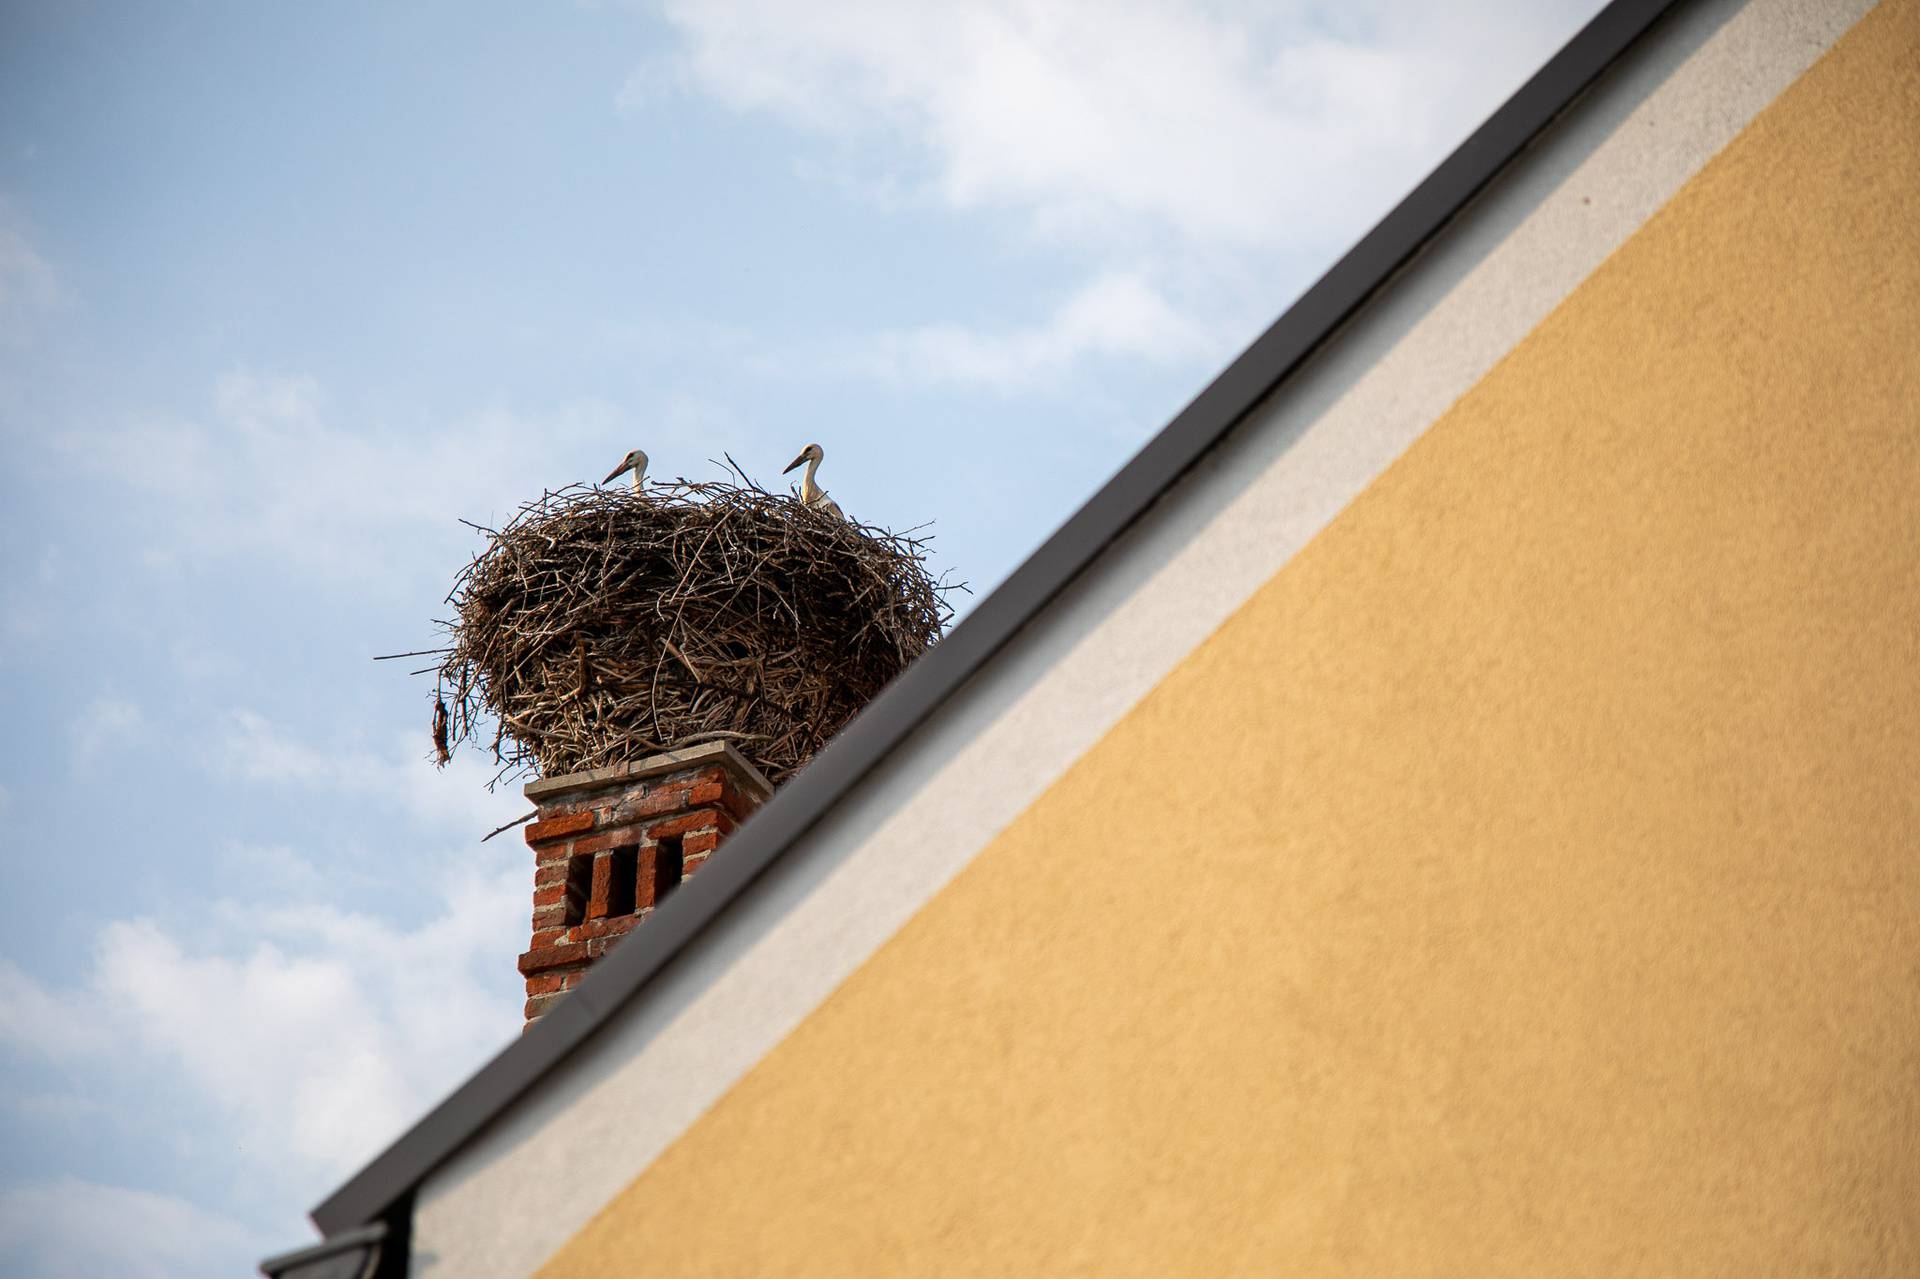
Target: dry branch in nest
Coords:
[[599, 625]]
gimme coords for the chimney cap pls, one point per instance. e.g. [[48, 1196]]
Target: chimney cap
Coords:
[[547, 789]]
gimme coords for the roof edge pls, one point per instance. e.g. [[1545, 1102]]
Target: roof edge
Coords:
[[926, 685]]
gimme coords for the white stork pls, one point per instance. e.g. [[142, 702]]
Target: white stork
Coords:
[[636, 462], [811, 494]]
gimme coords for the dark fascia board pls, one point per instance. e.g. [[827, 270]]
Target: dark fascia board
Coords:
[[349, 1251], [907, 703]]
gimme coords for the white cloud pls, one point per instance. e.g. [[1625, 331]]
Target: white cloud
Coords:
[[1201, 159], [270, 868], [307, 1034], [652, 80], [252, 749], [72, 1229], [1114, 316], [25, 276], [1232, 125], [269, 472], [105, 724], [60, 1108], [32, 612], [325, 1040], [317, 1032], [29, 285], [452, 800], [41, 1022]]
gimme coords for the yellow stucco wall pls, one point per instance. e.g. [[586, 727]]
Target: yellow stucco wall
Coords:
[[1526, 881]]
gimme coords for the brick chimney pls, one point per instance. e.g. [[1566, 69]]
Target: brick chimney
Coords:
[[610, 844]]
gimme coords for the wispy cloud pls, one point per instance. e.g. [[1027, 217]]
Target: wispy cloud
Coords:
[[106, 724], [1255, 126], [452, 800], [252, 749], [275, 870], [25, 277], [269, 472], [1193, 158], [62, 1109], [316, 1032], [300, 1031], [29, 609], [1114, 316], [37, 1021], [57, 1228], [29, 285]]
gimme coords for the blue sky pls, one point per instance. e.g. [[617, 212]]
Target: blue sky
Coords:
[[286, 290]]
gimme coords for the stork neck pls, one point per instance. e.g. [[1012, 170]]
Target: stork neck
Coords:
[[809, 489]]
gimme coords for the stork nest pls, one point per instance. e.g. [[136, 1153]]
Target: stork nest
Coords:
[[599, 626]]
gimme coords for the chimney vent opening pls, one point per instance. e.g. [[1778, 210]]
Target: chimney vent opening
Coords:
[[623, 878], [669, 862], [579, 887]]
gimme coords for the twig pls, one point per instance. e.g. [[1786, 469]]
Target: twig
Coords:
[[510, 825]]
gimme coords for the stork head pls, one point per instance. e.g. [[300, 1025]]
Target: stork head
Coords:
[[636, 462], [812, 453]]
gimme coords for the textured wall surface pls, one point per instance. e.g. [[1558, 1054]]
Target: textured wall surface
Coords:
[[1522, 881], [528, 1182]]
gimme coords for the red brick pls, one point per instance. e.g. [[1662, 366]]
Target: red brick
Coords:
[[599, 946], [693, 777], [738, 809], [606, 927], [538, 961], [704, 819], [559, 827], [701, 806], [643, 881], [668, 799], [609, 839], [602, 884]]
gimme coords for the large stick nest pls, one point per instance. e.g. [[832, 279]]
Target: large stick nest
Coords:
[[599, 625]]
